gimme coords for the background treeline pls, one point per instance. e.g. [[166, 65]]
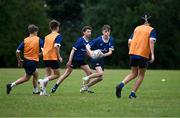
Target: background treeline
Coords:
[[122, 15]]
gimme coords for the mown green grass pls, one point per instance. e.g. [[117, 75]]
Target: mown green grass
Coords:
[[155, 98]]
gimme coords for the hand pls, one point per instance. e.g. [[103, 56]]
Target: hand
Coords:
[[20, 63], [152, 59], [68, 65], [40, 54], [60, 59], [91, 54], [102, 55]]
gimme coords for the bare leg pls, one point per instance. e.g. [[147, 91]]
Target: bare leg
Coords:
[[86, 69], [55, 75], [127, 79], [17, 82], [47, 71], [140, 79], [98, 75], [64, 76], [35, 79], [61, 79], [22, 79], [131, 76]]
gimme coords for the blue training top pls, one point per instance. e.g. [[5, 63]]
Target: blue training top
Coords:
[[99, 43], [80, 47]]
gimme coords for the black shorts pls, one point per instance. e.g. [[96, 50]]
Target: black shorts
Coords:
[[97, 63], [30, 66], [53, 64], [77, 63], [141, 63]]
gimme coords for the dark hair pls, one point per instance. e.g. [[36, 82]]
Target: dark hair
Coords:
[[54, 24], [106, 27], [146, 18], [85, 28], [32, 28]]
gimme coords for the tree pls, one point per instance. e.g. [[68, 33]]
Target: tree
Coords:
[[124, 16], [15, 16]]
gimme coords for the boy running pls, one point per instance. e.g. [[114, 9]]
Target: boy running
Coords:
[[51, 55], [31, 46], [77, 57], [141, 46], [105, 44]]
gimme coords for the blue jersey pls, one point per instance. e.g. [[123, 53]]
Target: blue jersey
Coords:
[[58, 40], [80, 49], [99, 43]]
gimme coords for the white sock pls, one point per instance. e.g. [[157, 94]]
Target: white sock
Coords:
[[46, 79], [35, 89], [44, 90], [86, 87], [86, 78], [58, 82], [13, 84]]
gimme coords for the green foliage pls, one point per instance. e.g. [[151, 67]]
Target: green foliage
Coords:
[[122, 15], [15, 16]]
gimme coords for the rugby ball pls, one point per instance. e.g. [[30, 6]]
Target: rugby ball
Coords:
[[96, 54]]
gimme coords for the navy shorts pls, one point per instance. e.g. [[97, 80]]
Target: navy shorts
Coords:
[[97, 63], [30, 66], [53, 64], [78, 63], [141, 63]]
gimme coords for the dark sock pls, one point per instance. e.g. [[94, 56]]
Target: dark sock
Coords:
[[56, 85], [121, 85], [133, 94]]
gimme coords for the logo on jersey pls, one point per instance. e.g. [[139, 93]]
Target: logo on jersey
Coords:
[[97, 64]]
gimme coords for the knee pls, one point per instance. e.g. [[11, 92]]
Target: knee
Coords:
[[27, 77], [134, 74], [100, 74], [58, 75], [141, 76], [89, 73], [100, 78]]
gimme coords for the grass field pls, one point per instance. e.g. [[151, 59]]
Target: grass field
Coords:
[[155, 98]]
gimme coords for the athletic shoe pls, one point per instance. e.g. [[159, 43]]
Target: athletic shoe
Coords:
[[118, 91], [85, 80], [42, 83], [8, 88], [36, 92], [43, 93], [89, 91], [83, 89], [132, 95], [54, 88]]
